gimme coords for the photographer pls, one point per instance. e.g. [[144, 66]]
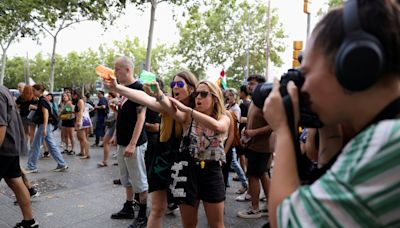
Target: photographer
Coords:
[[351, 78]]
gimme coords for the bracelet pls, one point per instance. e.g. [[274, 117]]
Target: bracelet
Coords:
[[160, 98]]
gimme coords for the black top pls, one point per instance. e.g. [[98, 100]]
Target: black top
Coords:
[[244, 109], [24, 106], [126, 120], [38, 118], [152, 118]]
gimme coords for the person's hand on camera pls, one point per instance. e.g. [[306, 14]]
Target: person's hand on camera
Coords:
[[274, 110]]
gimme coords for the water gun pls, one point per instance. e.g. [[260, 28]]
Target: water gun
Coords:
[[104, 72]]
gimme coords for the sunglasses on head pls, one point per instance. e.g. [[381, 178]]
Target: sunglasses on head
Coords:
[[202, 94], [180, 84]]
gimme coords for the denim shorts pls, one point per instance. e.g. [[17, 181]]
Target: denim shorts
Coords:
[[133, 169]]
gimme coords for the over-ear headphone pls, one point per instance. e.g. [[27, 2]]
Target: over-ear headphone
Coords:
[[360, 58]]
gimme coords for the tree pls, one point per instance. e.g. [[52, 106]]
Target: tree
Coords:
[[153, 5], [14, 19], [217, 34], [56, 15]]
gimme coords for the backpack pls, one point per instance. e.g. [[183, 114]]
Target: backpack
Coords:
[[236, 138]]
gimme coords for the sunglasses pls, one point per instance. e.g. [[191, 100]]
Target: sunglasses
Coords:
[[180, 84], [202, 94]]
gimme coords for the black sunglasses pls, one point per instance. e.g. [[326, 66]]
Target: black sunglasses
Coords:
[[180, 84], [203, 94]]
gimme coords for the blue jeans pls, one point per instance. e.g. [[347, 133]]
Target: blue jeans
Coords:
[[238, 169], [34, 152]]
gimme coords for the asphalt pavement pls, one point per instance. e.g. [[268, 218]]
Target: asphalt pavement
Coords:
[[85, 196]]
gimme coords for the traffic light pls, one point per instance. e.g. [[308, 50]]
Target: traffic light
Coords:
[[297, 46], [306, 6]]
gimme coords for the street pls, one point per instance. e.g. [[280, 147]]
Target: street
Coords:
[[85, 196]]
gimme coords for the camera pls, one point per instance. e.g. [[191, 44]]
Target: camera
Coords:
[[307, 117]]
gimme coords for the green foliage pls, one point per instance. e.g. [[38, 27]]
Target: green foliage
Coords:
[[77, 69], [217, 34]]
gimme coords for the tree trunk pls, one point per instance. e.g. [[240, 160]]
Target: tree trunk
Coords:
[[53, 64], [3, 66], [150, 38]]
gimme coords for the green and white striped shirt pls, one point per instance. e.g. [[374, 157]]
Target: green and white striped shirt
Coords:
[[362, 188]]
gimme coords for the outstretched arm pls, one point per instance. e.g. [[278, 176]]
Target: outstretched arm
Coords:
[[138, 96], [221, 125]]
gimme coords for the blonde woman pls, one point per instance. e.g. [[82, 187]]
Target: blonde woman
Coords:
[[207, 128]]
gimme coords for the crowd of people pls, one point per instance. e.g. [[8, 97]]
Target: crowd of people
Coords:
[[180, 148]]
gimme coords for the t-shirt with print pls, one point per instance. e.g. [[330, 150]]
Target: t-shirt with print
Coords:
[[206, 144], [14, 141], [126, 120]]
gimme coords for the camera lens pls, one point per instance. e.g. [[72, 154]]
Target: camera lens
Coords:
[[260, 93]]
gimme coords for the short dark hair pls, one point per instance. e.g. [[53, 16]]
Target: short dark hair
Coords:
[[257, 77], [87, 95], [243, 88], [39, 87], [101, 91], [330, 34]]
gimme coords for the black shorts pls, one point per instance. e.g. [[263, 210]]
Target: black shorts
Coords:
[[68, 123], [257, 163], [9, 167], [159, 167], [209, 183]]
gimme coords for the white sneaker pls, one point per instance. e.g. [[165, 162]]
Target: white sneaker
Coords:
[[244, 197], [249, 214]]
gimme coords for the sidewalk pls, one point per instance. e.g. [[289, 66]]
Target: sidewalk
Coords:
[[86, 197]]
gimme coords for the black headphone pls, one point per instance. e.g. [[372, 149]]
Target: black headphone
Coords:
[[360, 58]]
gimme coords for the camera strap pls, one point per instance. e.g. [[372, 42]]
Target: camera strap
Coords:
[[300, 161]]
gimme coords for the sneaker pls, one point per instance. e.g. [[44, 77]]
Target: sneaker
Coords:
[[117, 182], [139, 223], [31, 170], [23, 224], [264, 211], [33, 192], [241, 190], [136, 206], [46, 155], [94, 145], [124, 213], [244, 197], [171, 209], [250, 214], [61, 169]]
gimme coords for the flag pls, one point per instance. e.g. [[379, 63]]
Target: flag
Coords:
[[221, 82]]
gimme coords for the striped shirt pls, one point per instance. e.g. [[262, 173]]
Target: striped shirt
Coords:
[[362, 188]]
